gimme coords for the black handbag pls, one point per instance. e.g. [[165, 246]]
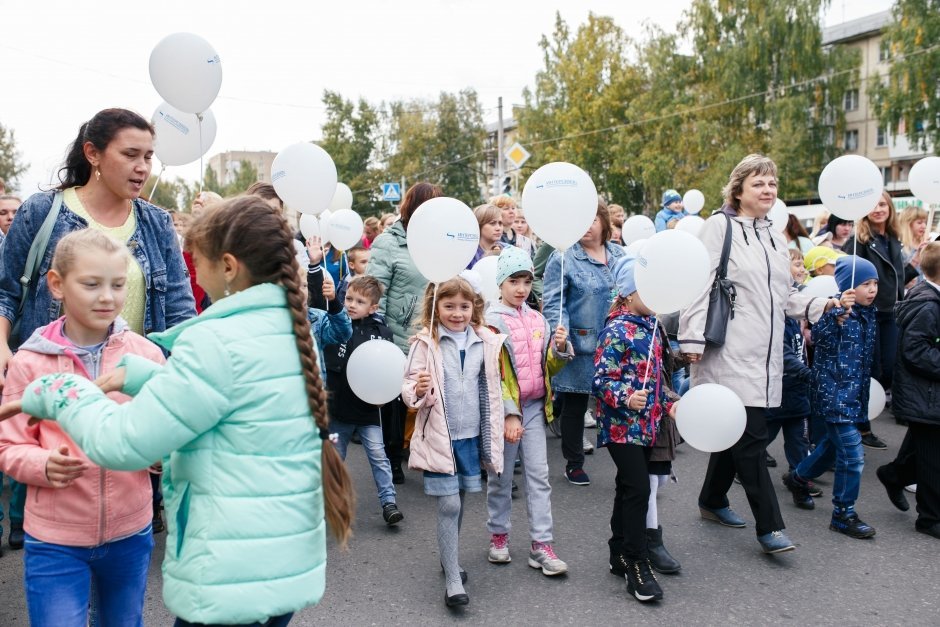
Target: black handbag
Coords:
[[721, 297]]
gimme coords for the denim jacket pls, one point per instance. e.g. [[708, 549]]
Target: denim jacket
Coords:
[[154, 246], [589, 289]]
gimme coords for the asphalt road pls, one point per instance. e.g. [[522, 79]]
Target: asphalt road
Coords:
[[392, 576]]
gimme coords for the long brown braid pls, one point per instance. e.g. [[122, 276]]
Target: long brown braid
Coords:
[[255, 234]]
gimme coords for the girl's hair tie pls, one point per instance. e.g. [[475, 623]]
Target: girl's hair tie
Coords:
[[326, 435]]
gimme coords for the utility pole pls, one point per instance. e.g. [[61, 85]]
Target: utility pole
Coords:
[[499, 148]]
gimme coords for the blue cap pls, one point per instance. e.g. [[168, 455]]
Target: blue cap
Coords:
[[624, 271], [864, 271], [670, 196], [512, 260]]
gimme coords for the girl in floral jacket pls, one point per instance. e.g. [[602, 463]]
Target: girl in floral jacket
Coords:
[[628, 419]]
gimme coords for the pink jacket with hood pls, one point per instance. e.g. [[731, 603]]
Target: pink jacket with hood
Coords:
[[101, 505], [430, 445]]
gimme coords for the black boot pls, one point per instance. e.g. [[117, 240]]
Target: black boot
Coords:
[[17, 535], [641, 582], [398, 475], [660, 559]]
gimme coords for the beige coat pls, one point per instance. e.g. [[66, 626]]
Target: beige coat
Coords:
[[751, 360], [430, 445]]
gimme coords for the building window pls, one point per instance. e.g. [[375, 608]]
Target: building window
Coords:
[[886, 174], [851, 100], [884, 51], [881, 139], [851, 140]]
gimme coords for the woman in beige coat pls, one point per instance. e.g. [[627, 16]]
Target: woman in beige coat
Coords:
[[750, 362]]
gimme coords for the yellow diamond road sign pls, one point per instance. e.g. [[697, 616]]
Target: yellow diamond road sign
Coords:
[[517, 155]]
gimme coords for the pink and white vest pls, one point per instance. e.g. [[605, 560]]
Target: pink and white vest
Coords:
[[527, 334]]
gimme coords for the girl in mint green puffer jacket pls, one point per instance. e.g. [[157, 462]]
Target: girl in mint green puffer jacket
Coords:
[[238, 415]]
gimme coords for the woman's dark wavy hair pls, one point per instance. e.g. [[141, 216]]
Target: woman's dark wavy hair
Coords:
[[99, 130]]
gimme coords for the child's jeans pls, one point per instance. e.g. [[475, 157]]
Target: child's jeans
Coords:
[[58, 581], [538, 493], [371, 436], [795, 441], [844, 444]]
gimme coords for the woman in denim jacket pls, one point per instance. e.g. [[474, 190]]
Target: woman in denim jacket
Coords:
[[589, 289], [105, 171]]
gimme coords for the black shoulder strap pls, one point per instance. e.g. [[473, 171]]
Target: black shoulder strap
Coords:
[[725, 250]]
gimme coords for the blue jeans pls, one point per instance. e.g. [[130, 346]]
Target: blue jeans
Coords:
[[680, 378], [58, 581], [795, 442], [372, 442], [844, 443]]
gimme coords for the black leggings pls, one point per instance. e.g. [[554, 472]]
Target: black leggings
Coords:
[[573, 406], [631, 500]]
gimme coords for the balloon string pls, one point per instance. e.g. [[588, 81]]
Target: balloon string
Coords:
[[561, 302], [650, 357], [202, 174], [433, 310], [157, 182], [854, 249]]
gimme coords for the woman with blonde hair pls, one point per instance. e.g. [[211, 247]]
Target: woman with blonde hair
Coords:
[[877, 240], [913, 222], [490, 219]]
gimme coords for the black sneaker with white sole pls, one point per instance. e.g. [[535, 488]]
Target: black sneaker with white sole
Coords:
[[392, 514]]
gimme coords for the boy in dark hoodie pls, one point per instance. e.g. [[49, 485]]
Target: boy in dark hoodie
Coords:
[[845, 340], [350, 414], [916, 391]]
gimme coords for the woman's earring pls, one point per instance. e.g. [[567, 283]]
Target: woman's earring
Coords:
[[97, 174], [227, 291]]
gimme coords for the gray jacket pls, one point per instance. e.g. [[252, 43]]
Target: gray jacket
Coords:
[[751, 361]]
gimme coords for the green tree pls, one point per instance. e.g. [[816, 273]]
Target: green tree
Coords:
[[167, 194], [908, 99], [758, 80], [582, 91], [441, 142], [350, 136], [11, 166], [241, 178]]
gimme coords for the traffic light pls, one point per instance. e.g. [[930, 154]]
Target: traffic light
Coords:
[[506, 187]]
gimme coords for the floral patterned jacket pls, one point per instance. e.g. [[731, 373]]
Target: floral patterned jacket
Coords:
[[621, 360]]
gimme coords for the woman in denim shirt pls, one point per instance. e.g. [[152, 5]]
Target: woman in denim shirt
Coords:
[[105, 170], [589, 289]]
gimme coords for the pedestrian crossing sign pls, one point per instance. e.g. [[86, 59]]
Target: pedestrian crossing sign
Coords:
[[391, 192]]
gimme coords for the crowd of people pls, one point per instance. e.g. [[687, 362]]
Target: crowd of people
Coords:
[[196, 363]]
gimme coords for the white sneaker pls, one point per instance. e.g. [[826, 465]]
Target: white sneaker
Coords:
[[543, 556], [911, 488], [589, 422], [499, 549], [588, 446]]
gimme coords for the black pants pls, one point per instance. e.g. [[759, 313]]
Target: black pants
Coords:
[[573, 406], [393, 429], [918, 461], [746, 459], [631, 500]]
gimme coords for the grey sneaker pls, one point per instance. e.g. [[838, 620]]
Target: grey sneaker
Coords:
[[499, 549], [543, 556]]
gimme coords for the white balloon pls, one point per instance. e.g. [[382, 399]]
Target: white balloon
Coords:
[[345, 228], [924, 179], [672, 269], [779, 215], [376, 371], [186, 72], [304, 176], [560, 202], [443, 236], [323, 221], [635, 248], [309, 226], [693, 201], [877, 399], [178, 139], [711, 417], [690, 224], [342, 198], [636, 228], [822, 286], [850, 186], [486, 268]]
